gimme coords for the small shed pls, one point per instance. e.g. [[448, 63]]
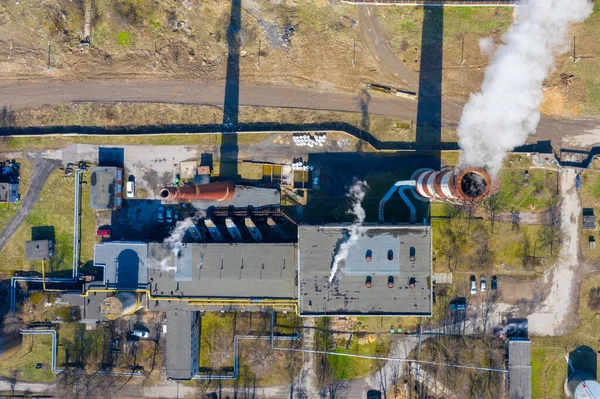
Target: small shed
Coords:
[[38, 250], [589, 222]]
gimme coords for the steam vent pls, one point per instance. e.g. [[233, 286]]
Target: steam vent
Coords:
[[219, 191], [467, 185]]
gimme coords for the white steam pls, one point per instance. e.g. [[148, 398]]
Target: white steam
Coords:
[[506, 111], [356, 194], [175, 241], [486, 45]]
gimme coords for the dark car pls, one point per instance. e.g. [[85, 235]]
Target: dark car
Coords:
[[374, 394], [494, 283]]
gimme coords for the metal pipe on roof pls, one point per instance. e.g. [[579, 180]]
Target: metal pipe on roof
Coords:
[[218, 191]]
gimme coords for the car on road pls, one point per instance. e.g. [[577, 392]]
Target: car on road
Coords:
[[169, 215], [473, 280], [140, 334], [160, 214], [494, 283], [374, 394], [103, 232], [130, 189], [483, 284]]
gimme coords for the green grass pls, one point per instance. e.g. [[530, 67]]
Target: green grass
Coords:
[[33, 350], [528, 189], [123, 38], [549, 367], [54, 208], [351, 368], [215, 332]]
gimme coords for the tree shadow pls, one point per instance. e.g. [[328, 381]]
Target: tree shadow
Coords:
[[229, 141], [429, 106]]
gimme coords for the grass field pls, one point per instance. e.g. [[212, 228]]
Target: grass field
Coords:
[[528, 189], [54, 210], [549, 367], [22, 363]]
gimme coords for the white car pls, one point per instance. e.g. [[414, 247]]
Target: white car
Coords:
[[140, 334], [473, 285], [483, 284], [130, 189]]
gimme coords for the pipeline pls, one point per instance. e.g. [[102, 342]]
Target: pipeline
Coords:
[[75, 266], [400, 185], [218, 191]]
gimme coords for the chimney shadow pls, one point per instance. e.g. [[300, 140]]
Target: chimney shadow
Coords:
[[429, 102], [229, 141]]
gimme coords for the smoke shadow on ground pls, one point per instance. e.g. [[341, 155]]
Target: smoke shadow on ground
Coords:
[[429, 106], [229, 142], [212, 128]]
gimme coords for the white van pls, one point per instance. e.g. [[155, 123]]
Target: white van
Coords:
[[130, 189]]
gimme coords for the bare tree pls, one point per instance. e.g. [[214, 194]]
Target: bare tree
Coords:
[[488, 305], [551, 234], [494, 205]]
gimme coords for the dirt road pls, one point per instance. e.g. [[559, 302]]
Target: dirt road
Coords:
[[374, 36], [19, 94], [557, 313], [41, 170]]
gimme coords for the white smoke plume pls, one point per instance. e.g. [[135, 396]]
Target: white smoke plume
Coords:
[[175, 240], [356, 194], [486, 45], [506, 110]]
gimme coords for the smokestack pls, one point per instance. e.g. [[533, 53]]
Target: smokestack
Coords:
[[455, 185], [219, 191]]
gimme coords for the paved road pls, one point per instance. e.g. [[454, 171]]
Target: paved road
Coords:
[[41, 170], [18, 94]]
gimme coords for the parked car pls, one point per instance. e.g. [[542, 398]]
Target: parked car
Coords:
[[494, 283], [459, 303], [169, 215], [161, 214], [473, 285], [483, 283], [374, 394], [103, 232], [140, 334], [130, 189]]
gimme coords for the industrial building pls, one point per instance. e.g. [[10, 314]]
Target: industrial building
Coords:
[[106, 188]]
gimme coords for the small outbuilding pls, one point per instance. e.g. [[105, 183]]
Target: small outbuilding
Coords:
[[589, 220], [38, 250]]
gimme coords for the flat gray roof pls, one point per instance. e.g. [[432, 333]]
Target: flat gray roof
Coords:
[[37, 250], [245, 196], [238, 270], [347, 294], [519, 368], [104, 187], [124, 263], [180, 359]]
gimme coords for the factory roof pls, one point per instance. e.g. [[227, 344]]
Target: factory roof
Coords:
[[245, 196], [381, 252], [124, 263], [106, 186], [223, 270], [180, 344], [38, 249], [519, 368]]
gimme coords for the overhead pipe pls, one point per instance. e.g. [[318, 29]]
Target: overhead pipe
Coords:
[[218, 191], [400, 185]]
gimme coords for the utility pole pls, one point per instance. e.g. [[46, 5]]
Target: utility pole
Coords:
[[258, 53], [462, 51], [354, 53], [48, 56]]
